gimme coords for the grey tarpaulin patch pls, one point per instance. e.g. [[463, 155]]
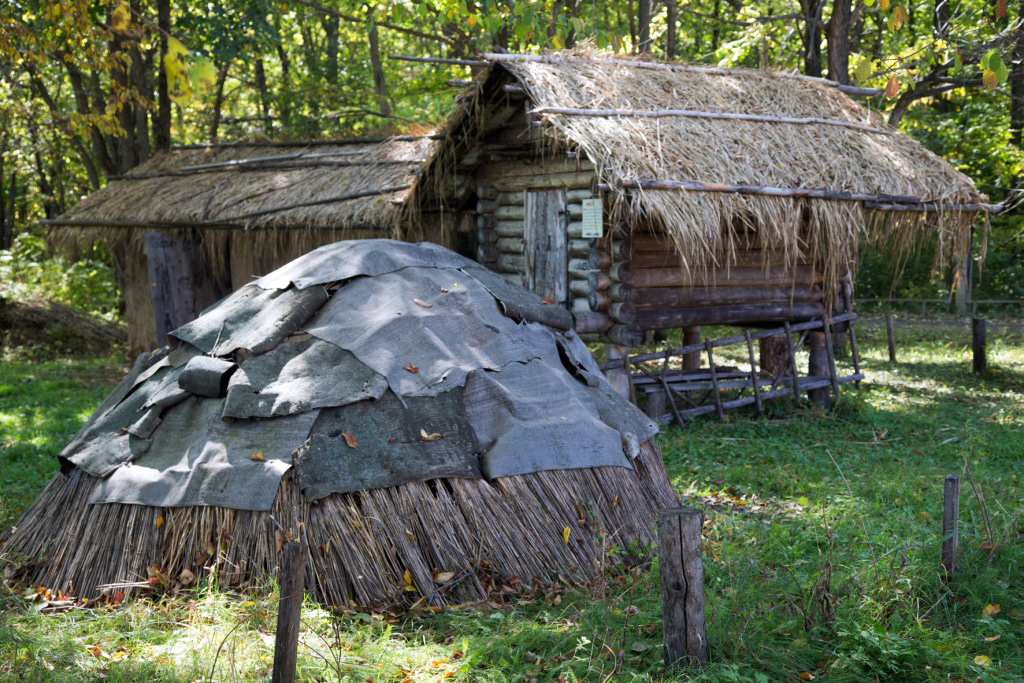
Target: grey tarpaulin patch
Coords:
[[147, 424], [252, 318], [346, 260], [298, 376], [533, 417], [206, 376], [143, 363], [519, 303], [390, 448], [103, 445], [195, 458], [455, 329], [619, 413]]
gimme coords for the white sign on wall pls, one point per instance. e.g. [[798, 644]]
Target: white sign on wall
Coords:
[[593, 218]]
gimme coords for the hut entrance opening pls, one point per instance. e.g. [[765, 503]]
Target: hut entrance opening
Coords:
[[546, 244]]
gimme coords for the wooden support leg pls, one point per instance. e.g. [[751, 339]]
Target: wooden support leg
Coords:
[[890, 333], [774, 355], [950, 533], [620, 378], [656, 402], [691, 335], [978, 344], [817, 366], [682, 587]]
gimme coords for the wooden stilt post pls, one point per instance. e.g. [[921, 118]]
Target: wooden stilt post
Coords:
[[890, 333], [620, 378], [682, 586], [978, 344], [714, 379], [792, 361], [950, 532], [753, 372], [817, 365], [691, 335], [286, 643]]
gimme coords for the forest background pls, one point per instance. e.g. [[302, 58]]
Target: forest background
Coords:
[[91, 88]]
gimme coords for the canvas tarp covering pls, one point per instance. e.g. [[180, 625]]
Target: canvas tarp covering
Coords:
[[385, 368]]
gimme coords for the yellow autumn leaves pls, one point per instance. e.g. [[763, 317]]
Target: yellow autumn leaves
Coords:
[[185, 76]]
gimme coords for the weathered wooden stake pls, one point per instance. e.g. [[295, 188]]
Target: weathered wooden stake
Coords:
[[682, 586], [292, 581], [891, 334], [621, 377], [978, 344], [950, 532]]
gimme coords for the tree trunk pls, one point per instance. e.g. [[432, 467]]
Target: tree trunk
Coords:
[[644, 12], [838, 42], [941, 15], [812, 36], [1017, 87], [330, 24], [162, 124], [572, 10], [218, 101], [261, 85], [379, 84], [670, 29], [632, 24], [716, 13], [4, 241]]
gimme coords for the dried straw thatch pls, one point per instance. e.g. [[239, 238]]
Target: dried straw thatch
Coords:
[[397, 405], [665, 126], [344, 186]]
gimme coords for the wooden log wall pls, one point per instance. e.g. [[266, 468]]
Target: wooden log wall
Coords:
[[638, 280], [501, 228]]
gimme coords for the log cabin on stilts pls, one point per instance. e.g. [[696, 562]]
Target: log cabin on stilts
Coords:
[[648, 196]]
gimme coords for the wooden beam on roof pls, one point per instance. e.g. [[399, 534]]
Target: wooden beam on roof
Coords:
[[661, 66], [689, 113], [363, 140], [872, 201], [440, 60], [285, 165]]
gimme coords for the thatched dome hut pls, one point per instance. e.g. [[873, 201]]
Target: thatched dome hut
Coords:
[[430, 429]]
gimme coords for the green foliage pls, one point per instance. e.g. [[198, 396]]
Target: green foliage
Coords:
[[28, 271]]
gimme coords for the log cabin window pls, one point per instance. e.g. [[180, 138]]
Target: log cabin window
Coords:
[[546, 244]]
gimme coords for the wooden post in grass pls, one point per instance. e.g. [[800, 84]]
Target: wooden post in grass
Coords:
[[286, 643], [978, 344], [620, 377], [891, 334], [950, 532], [682, 586]]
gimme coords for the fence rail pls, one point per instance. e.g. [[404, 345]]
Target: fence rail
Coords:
[[972, 305]]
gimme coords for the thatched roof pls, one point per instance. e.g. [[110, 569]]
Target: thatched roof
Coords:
[[357, 184], [688, 126]]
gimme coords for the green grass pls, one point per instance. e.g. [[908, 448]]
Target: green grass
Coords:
[[821, 552]]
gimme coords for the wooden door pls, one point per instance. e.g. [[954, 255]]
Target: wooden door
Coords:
[[181, 280], [546, 244]]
